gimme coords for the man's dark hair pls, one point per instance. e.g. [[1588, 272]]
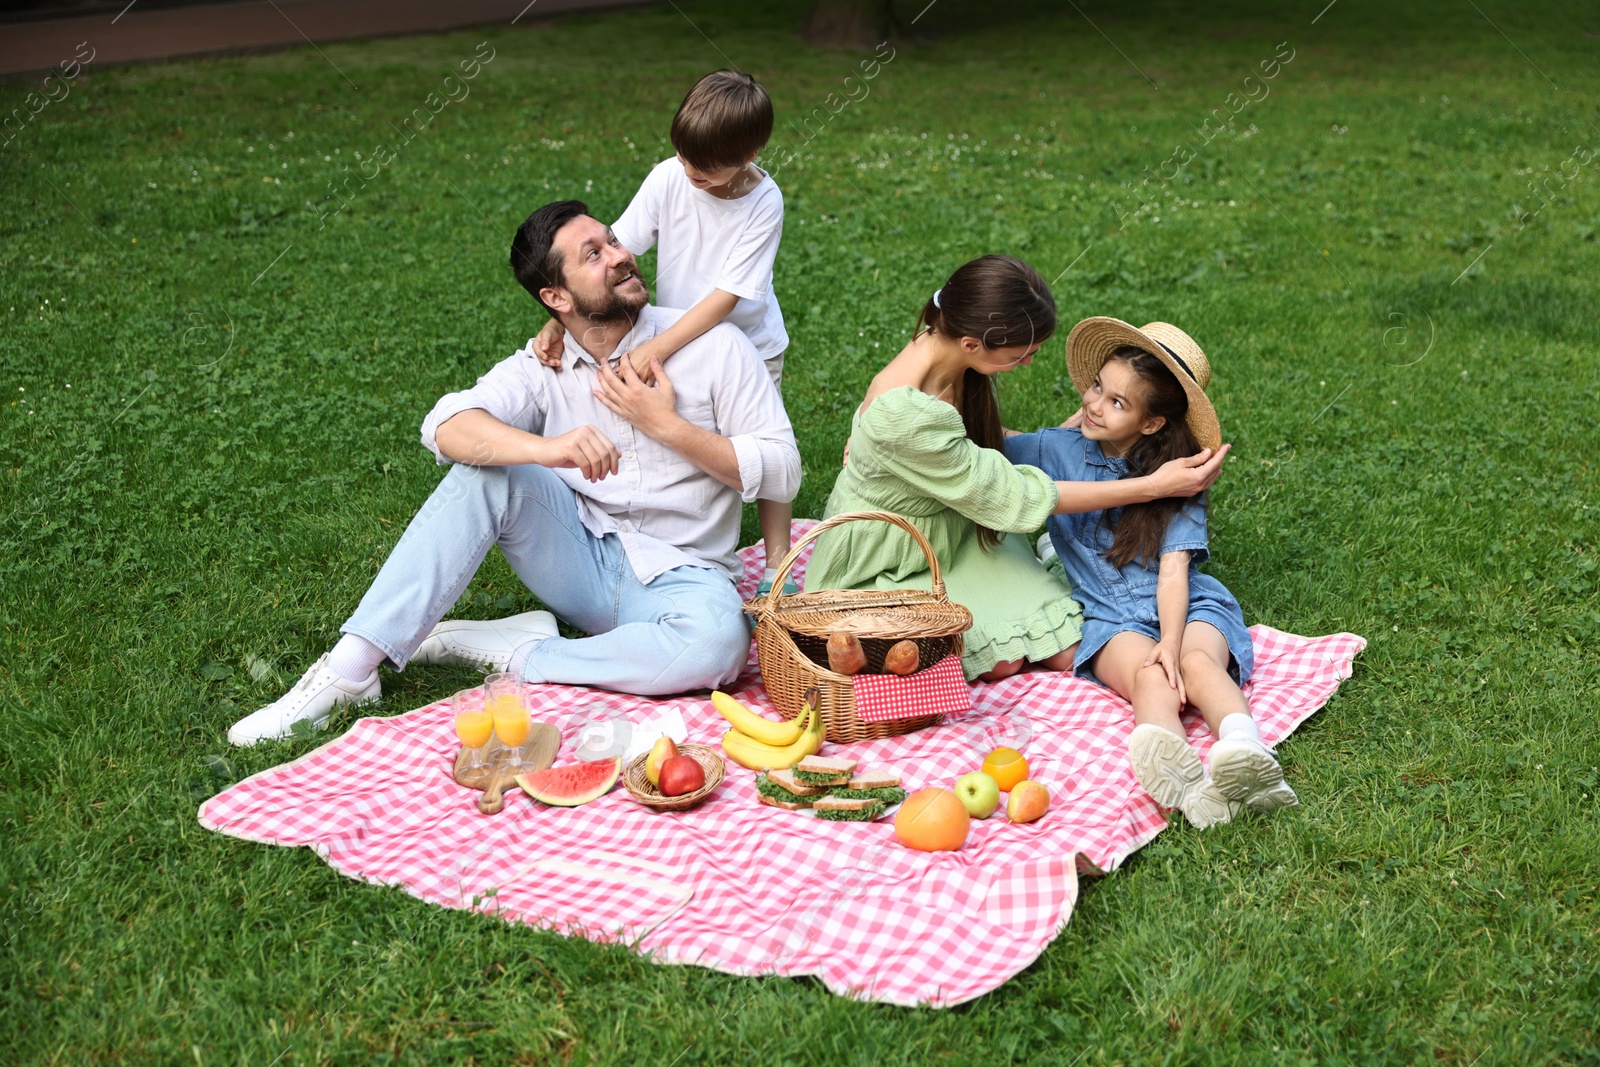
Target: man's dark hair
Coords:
[[723, 121], [534, 259]]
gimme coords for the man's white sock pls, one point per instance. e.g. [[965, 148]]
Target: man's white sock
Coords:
[[770, 575], [1239, 724], [355, 658], [520, 654]]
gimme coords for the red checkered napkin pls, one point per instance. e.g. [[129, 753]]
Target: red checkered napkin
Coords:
[[939, 690]]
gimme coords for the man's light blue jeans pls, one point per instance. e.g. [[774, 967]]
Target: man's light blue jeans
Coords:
[[683, 631]]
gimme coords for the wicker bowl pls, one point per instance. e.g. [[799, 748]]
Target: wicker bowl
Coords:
[[638, 784], [792, 635]]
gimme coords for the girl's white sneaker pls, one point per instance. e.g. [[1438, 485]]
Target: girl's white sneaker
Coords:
[[1172, 773], [1245, 770]]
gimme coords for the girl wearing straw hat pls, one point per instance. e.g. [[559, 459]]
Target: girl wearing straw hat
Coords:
[[926, 444], [1156, 630]]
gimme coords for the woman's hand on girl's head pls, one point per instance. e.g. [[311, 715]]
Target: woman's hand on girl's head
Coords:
[[1190, 475]]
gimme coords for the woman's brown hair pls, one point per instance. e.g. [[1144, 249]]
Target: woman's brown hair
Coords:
[[1142, 527], [1004, 303]]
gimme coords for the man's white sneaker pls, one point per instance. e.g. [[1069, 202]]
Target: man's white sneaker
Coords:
[[487, 643], [1172, 773], [1246, 770], [313, 698]]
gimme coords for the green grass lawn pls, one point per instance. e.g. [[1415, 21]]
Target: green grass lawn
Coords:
[[211, 400]]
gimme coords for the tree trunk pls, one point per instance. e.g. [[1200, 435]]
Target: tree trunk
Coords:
[[847, 24]]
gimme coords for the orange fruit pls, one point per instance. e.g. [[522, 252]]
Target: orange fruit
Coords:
[[932, 820], [1007, 767]]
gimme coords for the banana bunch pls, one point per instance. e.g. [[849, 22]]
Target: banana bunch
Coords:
[[761, 744]]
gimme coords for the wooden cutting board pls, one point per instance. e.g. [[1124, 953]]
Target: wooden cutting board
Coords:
[[494, 776]]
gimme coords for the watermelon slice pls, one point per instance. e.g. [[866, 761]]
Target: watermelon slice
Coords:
[[574, 784]]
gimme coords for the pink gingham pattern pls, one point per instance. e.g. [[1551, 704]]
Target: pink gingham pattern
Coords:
[[748, 889], [941, 688]]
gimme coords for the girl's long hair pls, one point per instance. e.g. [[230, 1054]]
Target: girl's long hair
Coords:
[[1142, 527], [1004, 303]]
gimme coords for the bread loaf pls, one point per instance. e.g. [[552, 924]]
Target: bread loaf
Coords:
[[845, 655], [902, 658]]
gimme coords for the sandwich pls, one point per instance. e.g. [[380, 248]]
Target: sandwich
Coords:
[[785, 777], [778, 795], [880, 784], [891, 795], [824, 771], [878, 778], [848, 809]]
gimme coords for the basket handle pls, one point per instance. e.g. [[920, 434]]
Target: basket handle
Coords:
[[855, 516]]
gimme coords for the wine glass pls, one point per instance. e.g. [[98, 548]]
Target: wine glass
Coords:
[[474, 724], [510, 714]]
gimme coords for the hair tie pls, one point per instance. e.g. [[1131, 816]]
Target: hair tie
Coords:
[[936, 293]]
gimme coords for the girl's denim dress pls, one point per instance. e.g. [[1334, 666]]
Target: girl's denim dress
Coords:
[[1115, 599]]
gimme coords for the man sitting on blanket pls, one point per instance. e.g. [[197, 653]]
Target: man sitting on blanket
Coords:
[[616, 502]]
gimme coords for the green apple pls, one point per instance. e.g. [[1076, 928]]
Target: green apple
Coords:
[[979, 793]]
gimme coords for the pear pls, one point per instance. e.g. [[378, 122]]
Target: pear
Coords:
[[1028, 801], [664, 750]]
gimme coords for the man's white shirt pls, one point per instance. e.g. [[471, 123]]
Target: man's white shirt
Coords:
[[709, 243], [667, 511]]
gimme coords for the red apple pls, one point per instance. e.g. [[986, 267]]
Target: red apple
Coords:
[[680, 775]]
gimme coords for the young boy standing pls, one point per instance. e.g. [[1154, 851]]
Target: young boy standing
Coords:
[[717, 219]]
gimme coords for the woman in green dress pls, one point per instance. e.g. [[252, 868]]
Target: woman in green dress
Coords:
[[926, 444]]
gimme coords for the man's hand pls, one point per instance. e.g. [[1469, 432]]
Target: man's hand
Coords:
[[586, 449], [1190, 475], [550, 345], [1074, 421], [652, 408]]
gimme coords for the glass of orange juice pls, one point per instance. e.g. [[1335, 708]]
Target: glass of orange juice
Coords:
[[474, 724], [503, 690]]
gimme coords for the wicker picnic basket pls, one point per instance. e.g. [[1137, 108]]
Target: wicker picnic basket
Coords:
[[792, 635]]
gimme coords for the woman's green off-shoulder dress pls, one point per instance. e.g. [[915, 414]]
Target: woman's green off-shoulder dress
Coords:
[[909, 454]]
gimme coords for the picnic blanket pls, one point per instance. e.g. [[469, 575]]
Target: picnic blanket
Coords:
[[749, 889]]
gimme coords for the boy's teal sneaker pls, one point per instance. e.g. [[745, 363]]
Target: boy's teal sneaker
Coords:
[[789, 588]]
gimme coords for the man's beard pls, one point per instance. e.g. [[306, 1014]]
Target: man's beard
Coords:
[[612, 306]]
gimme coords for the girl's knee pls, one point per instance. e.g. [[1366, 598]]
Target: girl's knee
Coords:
[[1003, 669], [1063, 660], [1198, 664], [1150, 686]]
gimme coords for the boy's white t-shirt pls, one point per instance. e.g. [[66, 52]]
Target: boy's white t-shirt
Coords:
[[709, 243]]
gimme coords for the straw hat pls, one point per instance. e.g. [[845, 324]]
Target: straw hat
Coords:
[[1093, 340]]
